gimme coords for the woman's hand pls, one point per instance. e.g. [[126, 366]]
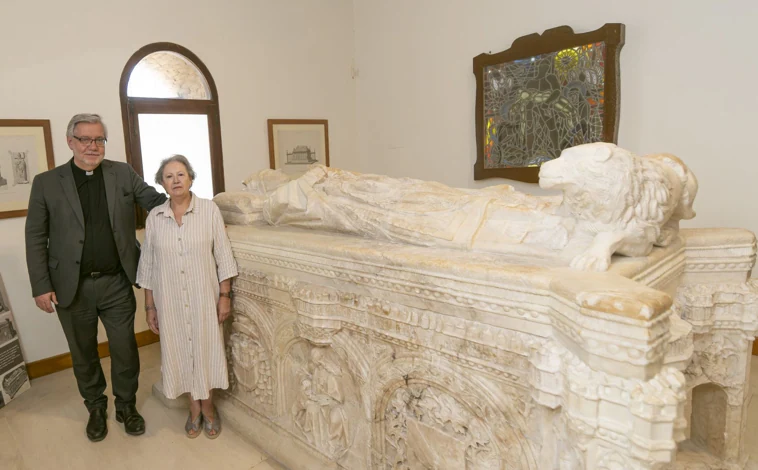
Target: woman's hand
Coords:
[[224, 308], [151, 315]]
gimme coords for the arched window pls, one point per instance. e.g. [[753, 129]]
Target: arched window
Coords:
[[169, 105]]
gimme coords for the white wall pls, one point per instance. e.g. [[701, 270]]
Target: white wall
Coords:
[[688, 73], [282, 59]]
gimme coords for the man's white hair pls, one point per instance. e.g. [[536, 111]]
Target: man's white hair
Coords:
[[85, 117]]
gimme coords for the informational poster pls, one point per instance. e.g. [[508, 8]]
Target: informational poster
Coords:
[[13, 377]]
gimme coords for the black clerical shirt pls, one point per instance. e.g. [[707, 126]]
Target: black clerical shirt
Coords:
[[100, 253]]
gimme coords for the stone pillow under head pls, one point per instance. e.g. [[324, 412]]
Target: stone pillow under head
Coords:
[[238, 218], [239, 202], [265, 181]]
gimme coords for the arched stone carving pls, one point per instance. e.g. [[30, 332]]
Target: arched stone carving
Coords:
[[359, 353], [260, 314], [429, 416], [250, 359]]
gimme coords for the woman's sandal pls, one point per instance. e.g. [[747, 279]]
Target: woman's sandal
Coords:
[[192, 428], [212, 425]]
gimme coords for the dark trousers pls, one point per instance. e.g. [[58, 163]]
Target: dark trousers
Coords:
[[111, 299]]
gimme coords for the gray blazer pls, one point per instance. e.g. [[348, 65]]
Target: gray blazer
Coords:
[[55, 226]]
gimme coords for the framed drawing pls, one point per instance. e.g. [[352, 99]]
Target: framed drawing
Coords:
[[546, 93], [296, 144], [26, 149]]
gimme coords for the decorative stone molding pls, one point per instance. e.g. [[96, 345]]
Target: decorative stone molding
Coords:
[[721, 306], [718, 256]]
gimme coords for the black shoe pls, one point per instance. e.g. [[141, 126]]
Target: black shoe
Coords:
[[134, 423], [97, 426]]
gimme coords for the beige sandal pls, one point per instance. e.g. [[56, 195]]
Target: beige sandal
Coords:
[[212, 425], [192, 428]]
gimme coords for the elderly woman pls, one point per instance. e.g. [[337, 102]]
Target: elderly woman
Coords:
[[186, 269]]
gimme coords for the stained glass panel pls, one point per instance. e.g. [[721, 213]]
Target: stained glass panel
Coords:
[[538, 106]]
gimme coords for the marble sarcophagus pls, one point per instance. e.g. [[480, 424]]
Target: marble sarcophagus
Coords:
[[387, 323]]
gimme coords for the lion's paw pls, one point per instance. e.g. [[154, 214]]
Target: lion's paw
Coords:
[[667, 236], [589, 261]]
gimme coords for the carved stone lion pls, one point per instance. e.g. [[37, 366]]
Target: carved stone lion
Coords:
[[628, 202], [613, 202]]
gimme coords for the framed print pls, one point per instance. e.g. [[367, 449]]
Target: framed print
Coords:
[[546, 93], [26, 149], [294, 145]]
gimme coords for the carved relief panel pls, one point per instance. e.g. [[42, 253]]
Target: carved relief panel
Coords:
[[426, 428], [250, 362], [320, 398]]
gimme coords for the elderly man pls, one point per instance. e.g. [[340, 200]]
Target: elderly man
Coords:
[[82, 254]]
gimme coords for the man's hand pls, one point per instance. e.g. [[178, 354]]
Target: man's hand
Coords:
[[45, 302]]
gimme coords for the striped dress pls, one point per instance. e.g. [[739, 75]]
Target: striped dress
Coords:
[[183, 266]]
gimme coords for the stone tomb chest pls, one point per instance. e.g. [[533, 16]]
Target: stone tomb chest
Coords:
[[395, 324]]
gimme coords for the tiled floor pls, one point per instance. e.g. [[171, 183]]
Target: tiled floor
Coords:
[[44, 429]]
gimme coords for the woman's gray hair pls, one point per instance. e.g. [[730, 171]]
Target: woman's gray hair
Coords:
[[174, 158], [86, 117]]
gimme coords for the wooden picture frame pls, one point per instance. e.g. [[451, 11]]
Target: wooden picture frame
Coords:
[[26, 149], [294, 145], [546, 93]]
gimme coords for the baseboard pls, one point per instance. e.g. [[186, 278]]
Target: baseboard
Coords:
[[61, 362]]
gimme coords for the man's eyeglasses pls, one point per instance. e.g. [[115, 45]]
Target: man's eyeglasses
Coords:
[[100, 141]]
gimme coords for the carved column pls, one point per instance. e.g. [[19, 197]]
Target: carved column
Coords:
[[608, 422], [622, 405], [721, 304], [724, 319]]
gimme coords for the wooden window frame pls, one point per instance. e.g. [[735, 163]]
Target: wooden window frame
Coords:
[[132, 107]]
